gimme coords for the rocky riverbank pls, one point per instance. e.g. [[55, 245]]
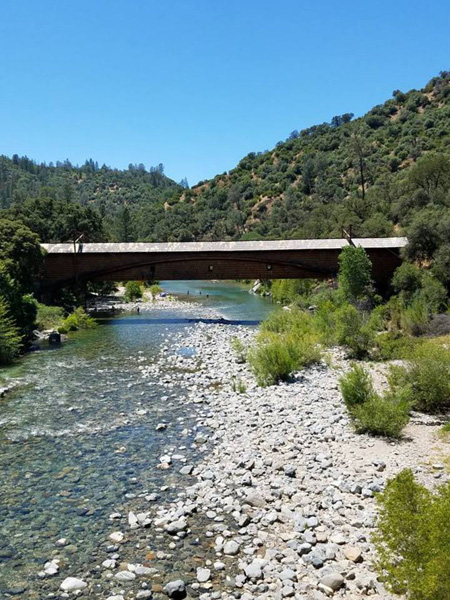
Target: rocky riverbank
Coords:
[[280, 502]]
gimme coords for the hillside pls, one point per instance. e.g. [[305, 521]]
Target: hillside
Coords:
[[378, 173], [38, 192], [330, 175]]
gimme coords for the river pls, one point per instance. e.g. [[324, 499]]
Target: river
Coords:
[[78, 432]]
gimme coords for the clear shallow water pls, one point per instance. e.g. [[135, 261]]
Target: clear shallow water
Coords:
[[77, 434]]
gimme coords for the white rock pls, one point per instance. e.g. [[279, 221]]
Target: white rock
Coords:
[[72, 584]]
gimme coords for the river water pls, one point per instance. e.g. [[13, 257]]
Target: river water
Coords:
[[77, 434]]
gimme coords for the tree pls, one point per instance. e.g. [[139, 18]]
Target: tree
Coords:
[[125, 225], [355, 273], [361, 151], [431, 174], [9, 336]]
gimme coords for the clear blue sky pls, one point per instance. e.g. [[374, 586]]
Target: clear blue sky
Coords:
[[197, 84]]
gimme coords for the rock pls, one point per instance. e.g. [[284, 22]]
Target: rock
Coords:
[[176, 589], [334, 581], [353, 553], [186, 470], [72, 584], [109, 563], [117, 597], [117, 536], [203, 575], [125, 576], [231, 548], [290, 471], [255, 499], [176, 526], [253, 570], [144, 595]]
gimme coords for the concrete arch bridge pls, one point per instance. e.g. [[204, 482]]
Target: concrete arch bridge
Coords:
[[283, 259]]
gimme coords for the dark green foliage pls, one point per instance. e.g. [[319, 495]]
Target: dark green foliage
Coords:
[[413, 538], [20, 265], [407, 279], [10, 339]]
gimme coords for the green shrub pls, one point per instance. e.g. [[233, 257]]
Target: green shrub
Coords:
[[355, 269], [10, 339], [240, 350], [288, 321], [391, 345], [79, 319], [49, 317], [353, 331], [413, 538], [428, 374], [155, 290], [383, 415], [275, 357], [133, 291], [407, 279], [356, 386]]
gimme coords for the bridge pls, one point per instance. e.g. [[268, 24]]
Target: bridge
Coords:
[[283, 259]]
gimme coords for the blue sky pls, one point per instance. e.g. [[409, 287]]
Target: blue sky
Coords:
[[197, 84]]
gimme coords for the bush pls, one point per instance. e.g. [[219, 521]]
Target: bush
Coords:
[[355, 270], [370, 413], [275, 357], [391, 345], [353, 331], [10, 338], [133, 291], [288, 321], [383, 415], [413, 538], [49, 317], [79, 319], [356, 387], [407, 279], [428, 374], [240, 350], [155, 290]]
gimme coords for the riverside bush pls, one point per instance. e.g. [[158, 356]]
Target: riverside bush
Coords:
[[356, 386], [353, 331], [428, 374], [371, 413], [382, 415], [79, 319], [49, 317], [275, 357], [155, 290], [10, 338], [133, 291], [413, 538]]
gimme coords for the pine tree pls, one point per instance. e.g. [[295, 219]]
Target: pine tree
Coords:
[[9, 336]]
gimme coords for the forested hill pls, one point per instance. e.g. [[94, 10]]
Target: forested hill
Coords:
[[365, 172], [384, 173], [90, 199]]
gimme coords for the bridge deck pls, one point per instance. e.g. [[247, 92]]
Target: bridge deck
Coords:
[[269, 245], [273, 259]]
